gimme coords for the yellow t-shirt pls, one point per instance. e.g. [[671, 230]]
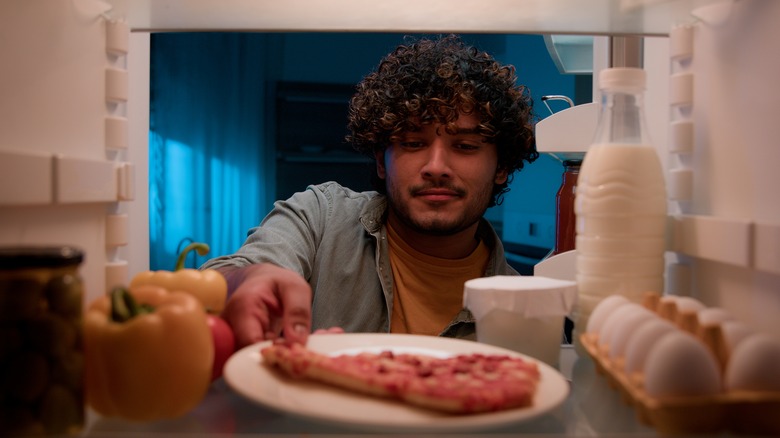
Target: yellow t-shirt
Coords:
[[428, 291]]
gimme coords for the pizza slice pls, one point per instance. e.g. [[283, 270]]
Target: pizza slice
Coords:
[[461, 384]]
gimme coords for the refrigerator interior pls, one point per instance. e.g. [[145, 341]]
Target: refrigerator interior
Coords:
[[74, 136]]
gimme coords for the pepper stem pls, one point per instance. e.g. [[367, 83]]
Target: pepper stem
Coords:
[[201, 248], [124, 307]]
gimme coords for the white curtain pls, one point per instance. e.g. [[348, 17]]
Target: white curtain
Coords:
[[207, 163]]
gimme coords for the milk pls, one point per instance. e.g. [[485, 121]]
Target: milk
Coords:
[[621, 225], [540, 338]]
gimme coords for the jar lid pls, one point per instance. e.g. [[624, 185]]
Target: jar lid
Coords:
[[20, 257], [621, 78]]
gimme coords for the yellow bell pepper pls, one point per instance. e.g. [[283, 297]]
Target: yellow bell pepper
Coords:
[[148, 353], [208, 285]]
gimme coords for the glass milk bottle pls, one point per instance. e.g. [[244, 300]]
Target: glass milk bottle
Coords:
[[620, 204]]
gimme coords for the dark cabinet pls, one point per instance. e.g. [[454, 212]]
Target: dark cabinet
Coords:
[[311, 123]]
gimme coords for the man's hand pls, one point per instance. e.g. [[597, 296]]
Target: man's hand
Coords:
[[265, 301]]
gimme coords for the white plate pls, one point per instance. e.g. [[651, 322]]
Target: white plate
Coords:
[[246, 375]]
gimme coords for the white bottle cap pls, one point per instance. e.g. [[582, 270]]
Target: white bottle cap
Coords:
[[622, 78]]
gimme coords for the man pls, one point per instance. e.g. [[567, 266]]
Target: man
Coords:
[[447, 127]]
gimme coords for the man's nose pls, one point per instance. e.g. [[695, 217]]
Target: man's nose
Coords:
[[438, 160]]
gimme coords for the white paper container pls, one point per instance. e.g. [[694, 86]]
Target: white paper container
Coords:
[[522, 313]]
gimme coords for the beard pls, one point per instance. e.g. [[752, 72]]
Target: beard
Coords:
[[439, 220]]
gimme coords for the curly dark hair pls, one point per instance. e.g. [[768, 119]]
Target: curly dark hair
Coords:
[[433, 81]]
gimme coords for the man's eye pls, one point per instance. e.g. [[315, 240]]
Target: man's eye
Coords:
[[467, 146], [411, 144]]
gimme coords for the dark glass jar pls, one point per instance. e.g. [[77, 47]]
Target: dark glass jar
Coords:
[[565, 232], [41, 356]]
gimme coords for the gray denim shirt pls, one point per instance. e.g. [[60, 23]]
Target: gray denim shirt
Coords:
[[336, 239]]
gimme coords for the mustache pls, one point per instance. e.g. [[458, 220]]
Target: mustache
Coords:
[[415, 190]]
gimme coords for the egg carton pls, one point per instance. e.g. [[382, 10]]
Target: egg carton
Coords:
[[738, 412]]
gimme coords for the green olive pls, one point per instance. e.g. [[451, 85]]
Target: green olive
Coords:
[[26, 376], [20, 298], [18, 420], [64, 293], [10, 341], [68, 370], [51, 334], [61, 411]]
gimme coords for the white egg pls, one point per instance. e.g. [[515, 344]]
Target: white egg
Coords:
[[613, 319], [680, 365], [643, 340], [625, 328], [733, 333], [683, 304], [755, 364], [688, 304], [712, 315], [602, 310]]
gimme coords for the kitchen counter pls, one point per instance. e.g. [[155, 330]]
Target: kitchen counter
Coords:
[[591, 409]]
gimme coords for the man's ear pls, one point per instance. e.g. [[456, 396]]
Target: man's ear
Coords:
[[501, 176], [381, 171]]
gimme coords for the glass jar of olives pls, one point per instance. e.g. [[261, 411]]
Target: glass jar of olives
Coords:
[[41, 356]]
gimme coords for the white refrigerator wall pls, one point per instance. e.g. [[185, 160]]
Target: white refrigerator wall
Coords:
[[73, 135], [725, 174], [136, 253]]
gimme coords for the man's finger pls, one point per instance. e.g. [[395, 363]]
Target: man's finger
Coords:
[[296, 308]]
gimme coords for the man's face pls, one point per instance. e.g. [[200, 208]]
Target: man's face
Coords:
[[440, 183]]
